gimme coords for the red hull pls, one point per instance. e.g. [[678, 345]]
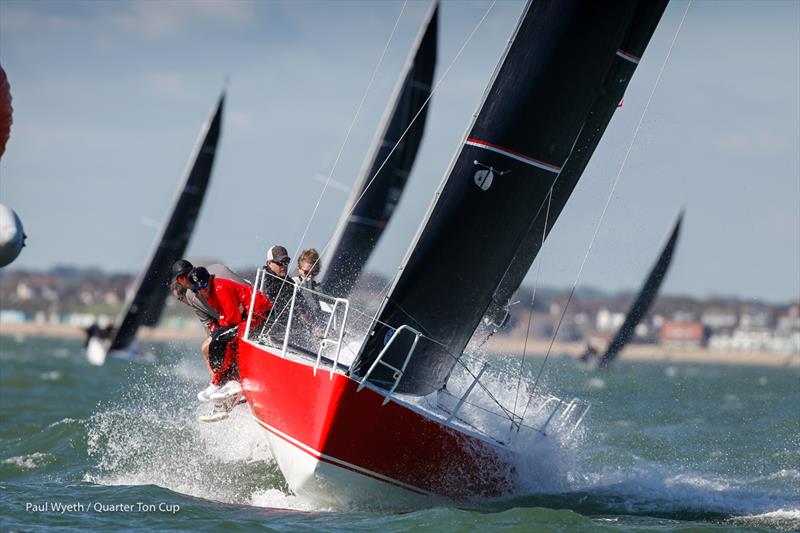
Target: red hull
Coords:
[[328, 420]]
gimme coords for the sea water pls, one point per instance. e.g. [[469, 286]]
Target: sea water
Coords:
[[664, 447]]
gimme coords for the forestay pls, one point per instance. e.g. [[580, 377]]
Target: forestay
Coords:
[[543, 91], [377, 191]]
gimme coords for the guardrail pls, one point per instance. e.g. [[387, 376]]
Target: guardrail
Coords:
[[332, 333], [556, 412], [398, 372]]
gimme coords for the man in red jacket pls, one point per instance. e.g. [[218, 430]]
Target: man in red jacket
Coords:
[[232, 301]]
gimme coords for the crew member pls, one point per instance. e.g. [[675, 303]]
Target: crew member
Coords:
[[209, 317], [278, 283], [232, 302], [308, 267]]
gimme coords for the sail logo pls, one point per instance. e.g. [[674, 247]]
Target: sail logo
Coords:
[[484, 177]]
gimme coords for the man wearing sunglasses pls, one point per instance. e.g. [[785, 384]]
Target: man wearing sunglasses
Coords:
[[277, 281]]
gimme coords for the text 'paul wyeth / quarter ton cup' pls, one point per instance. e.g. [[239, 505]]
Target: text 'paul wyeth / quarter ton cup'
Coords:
[[101, 507]]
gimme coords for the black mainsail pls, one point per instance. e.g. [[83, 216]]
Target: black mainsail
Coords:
[[529, 122], [152, 285], [378, 189], [646, 296], [643, 24]]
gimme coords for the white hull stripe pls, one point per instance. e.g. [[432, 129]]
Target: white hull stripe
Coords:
[[338, 462], [513, 155], [628, 56]]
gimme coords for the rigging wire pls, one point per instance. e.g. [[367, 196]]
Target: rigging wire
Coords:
[[346, 139], [352, 124], [435, 89], [609, 198], [442, 345], [533, 299]]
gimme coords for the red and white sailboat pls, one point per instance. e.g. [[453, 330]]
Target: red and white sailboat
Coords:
[[382, 428]]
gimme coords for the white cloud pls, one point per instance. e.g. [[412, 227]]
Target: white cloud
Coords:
[[154, 19]]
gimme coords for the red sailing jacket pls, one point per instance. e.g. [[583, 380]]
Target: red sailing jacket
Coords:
[[232, 302]]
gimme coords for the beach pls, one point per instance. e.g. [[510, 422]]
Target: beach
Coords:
[[645, 352], [503, 344]]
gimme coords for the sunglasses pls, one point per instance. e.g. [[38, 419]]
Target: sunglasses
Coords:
[[283, 262]]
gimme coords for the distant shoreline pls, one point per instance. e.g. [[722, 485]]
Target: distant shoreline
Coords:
[[647, 352], [76, 332], [497, 345]]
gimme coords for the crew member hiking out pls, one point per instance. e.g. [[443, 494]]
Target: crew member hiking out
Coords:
[[231, 301], [207, 315]]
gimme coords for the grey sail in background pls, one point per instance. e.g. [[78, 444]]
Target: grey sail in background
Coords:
[[152, 285], [644, 22], [527, 125], [377, 191], [646, 296]]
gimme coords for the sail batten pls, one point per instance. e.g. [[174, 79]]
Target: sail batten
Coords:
[[151, 289], [533, 113], [383, 177]]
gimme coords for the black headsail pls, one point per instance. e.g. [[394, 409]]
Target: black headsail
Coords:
[[643, 24], [144, 308], [646, 296], [358, 232], [531, 116]]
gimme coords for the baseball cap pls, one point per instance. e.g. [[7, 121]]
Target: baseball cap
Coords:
[[278, 254], [181, 267], [198, 277]]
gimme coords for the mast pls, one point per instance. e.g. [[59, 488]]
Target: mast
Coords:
[[369, 209], [525, 129], [152, 285], [644, 22], [646, 296]]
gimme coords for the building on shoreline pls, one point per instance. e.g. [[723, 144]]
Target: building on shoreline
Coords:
[[80, 297]]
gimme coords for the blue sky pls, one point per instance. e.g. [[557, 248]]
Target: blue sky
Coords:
[[109, 98]]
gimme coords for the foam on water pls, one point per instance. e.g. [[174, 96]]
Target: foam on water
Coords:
[[570, 464], [53, 375], [277, 499], [151, 435], [781, 519], [652, 489], [544, 461], [29, 461]]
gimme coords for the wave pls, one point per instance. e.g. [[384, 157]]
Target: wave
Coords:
[[151, 436], [654, 493], [29, 461], [782, 520]]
